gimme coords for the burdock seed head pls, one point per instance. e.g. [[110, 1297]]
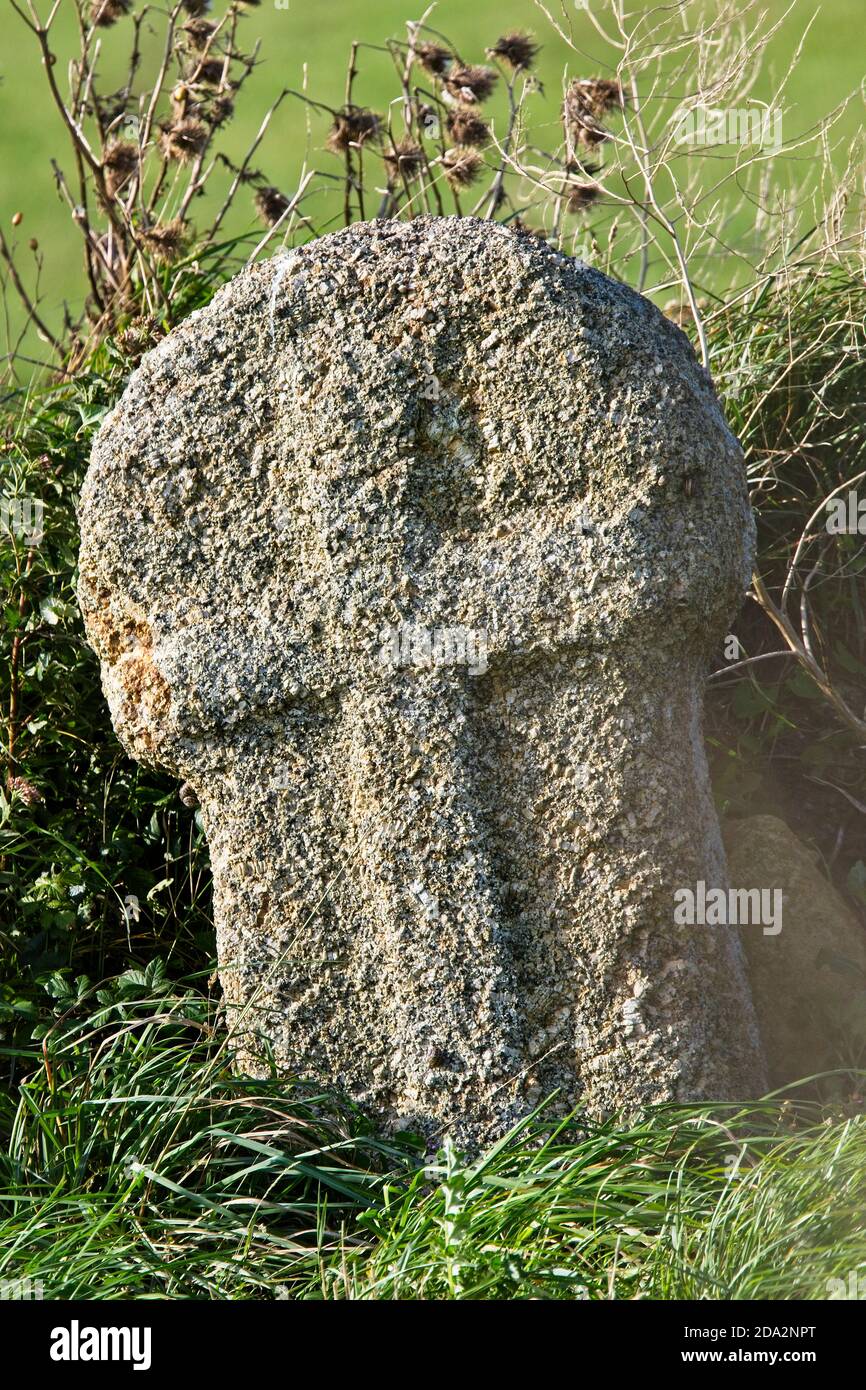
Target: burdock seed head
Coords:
[[596, 95], [515, 49], [184, 139], [119, 162], [196, 7], [270, 205], [462, 166], [466, 127], [137, 336], [166, 241], [586, 101], [581, 196], [198, 31], [435, 59], [404, 159], [211, 72], [471, 84], [106, 12], [352, 126], [219, 109]]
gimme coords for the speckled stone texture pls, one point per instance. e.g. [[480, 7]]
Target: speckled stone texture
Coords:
[[807, 983], [445, 886]]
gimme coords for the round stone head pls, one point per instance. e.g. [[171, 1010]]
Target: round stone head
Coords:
[[439, 424]]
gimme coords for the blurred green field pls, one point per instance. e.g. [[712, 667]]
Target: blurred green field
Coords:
[[311, 38]]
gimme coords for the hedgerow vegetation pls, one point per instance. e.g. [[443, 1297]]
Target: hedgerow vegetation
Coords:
[[135, 1161]]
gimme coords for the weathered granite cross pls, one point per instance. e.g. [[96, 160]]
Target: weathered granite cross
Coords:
[[408, 552]]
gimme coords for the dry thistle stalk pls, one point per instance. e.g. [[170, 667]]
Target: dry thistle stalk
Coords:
[[218, 109], [138, 336], [119, 152]]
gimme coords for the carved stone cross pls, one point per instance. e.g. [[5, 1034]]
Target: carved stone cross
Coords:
[[409, 552]]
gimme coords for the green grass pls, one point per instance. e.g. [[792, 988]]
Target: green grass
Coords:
[[136, 1164]]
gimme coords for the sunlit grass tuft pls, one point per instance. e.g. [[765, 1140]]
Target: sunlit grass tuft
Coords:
[[136, 1164]]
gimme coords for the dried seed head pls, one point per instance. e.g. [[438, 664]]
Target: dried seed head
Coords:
[[106, 12], [184, 139], [270, 205], [515, 49], [466, 127], [596, 96], [471, 84], [352, 126], [219, 110], [198, 31], [404, 160], [433, 58], [581, 196], [211, 72], [586, 101], [166, 241], [119, 162], [586, 130], [462, 166], [196, 7], [137, 337]]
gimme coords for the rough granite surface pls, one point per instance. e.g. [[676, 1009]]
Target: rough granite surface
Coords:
[[446, 886], [807, 983]]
